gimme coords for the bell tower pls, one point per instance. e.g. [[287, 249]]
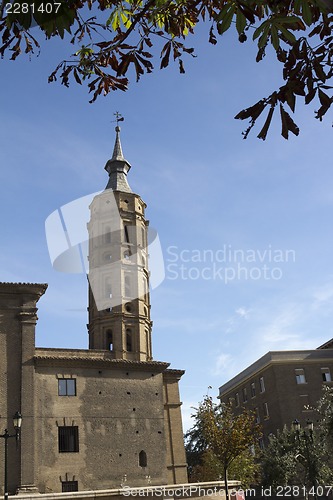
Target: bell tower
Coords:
[[119, 304]]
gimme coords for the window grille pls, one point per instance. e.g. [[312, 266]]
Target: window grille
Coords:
[[68, 439]]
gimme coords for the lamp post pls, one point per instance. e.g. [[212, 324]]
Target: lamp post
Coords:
[[308, 440], [17, 422]]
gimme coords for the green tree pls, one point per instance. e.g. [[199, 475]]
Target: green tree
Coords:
[[218, 438], [297, 457], [113, 36], [324, 409], [246, 468], [278, 460]]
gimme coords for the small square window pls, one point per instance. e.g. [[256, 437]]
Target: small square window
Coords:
[[70, 486], [68, 437], [67, 387], [326, 375], [300, 376]]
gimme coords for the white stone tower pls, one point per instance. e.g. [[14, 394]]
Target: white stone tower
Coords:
[[119, 306]]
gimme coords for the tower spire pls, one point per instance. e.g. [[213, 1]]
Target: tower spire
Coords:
[[117, 150], [117, 167]]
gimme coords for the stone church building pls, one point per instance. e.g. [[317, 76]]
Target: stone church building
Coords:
[[101, 417]]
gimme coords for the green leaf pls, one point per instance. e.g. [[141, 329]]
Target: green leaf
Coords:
[[288, 34], [291, 100], [306, 12], [275, 38], [226, 17], [324, 99], [253, 112], [114, 20], [319, 70], [310, 96], [240, 22], [263, 132], [264, 37], [260, 29], [288, 124]]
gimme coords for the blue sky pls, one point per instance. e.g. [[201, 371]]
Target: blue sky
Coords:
[[206, 189]]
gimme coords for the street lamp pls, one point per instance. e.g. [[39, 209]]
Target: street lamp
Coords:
[[17, 422], [296, 425]]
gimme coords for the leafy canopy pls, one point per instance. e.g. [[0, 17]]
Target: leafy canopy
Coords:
[[297, 458], [120, 36], [220, 441]]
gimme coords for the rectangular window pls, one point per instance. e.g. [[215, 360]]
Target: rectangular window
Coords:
[[253, 390], [300, 376], [262, 384], [257, 415], [266, 412], [67, 387], [305, 402], [237, 399], [70, 486], [326, 375], [68, 439], [261, 443], [244, 395]]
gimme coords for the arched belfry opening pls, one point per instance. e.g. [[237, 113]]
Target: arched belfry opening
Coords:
[[109, 337]]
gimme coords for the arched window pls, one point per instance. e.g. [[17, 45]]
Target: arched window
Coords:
[[128, 339], [145, 285], [109, 340], [143, 237], [143, 459]]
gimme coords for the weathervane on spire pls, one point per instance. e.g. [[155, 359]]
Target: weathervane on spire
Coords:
[[119, 118]]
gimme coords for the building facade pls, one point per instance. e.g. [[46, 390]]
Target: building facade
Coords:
[[109, 415], [281, 386]]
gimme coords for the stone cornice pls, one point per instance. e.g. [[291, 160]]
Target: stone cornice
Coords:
[[275, 358], [172, 374], [93, 358], [26, 286]]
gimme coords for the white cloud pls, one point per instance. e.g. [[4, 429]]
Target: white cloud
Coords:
[[244, 313], [222, 364], [323, 296]]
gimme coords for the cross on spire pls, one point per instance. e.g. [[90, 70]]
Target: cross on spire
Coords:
[[119, 118]]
